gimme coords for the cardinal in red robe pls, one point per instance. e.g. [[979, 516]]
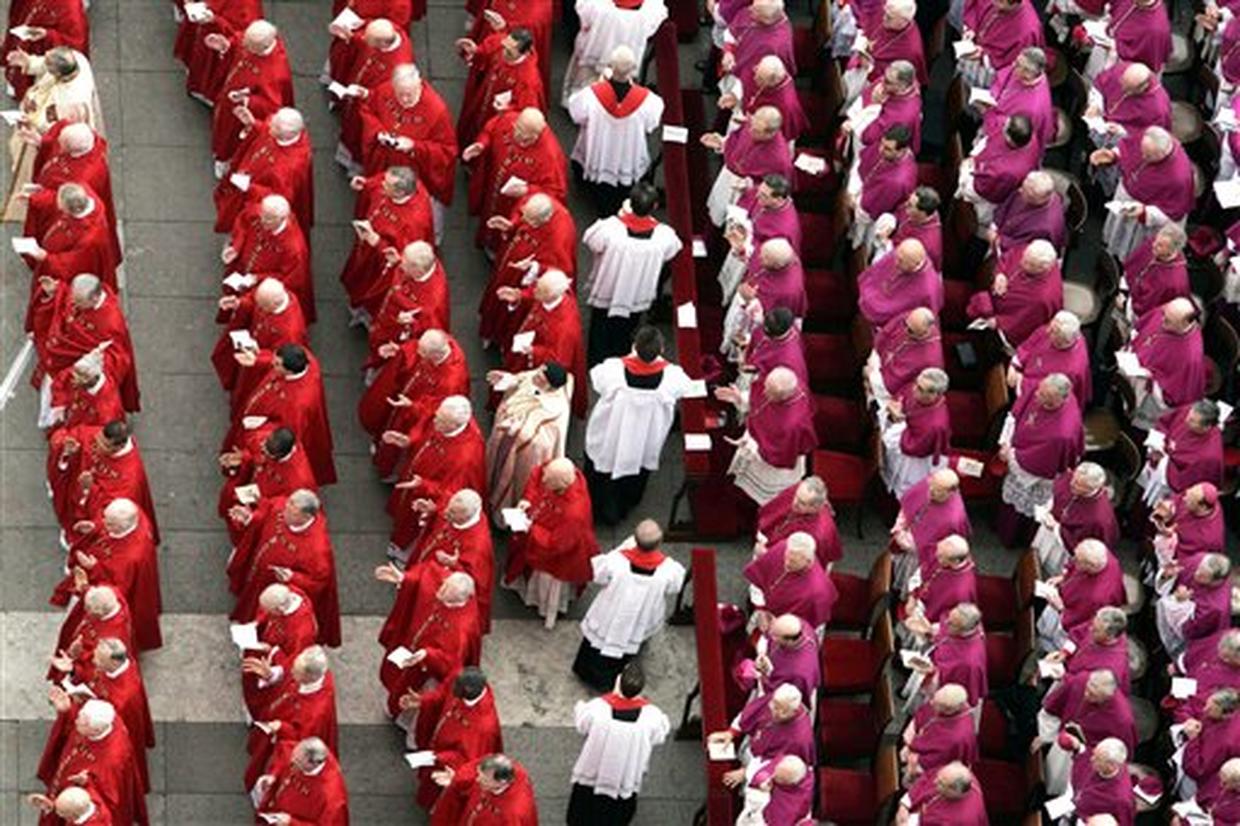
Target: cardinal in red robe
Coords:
[[291, 393], [273, 159], [88, 392], [554, 552], [256, 82], [70, 152], [46, 24], [515, 154], [90, 465], [551, 331], [507, 799], [538, 235], [410, 297], [300, 702], [406, 123], [345, 39], [305, 783], [205, 67], [265, 243], [447, 454], [396, 213], [76, 237], [376, 52], [458, 721], [504, 76], [408, 389], [100, 747], [288, 543], [286, 626], [268, 463], [270, 316]]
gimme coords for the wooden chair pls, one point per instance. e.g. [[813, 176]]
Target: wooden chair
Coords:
[[1003, 598], [977, 415], [1222, 347], [850, 477], [848, 797], [852, 666], [862, 599], [1011, 789], [851, 731], [1008, 654]]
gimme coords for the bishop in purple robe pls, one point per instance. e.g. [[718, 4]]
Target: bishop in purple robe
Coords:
[[894, 37], [1001, 29], [941, 732], [1132, 98], [903, 347], [777, 343], [916, 431], [950, 580], [772, 212], [1141, 30], [790, 784], [791, 580], [1157, 186], [1156, 271], [758, 30], [1101, 784], [1035, 210], [1192, 445], [802, 507], [1080, 509], [749, 155], [1026, 292], [1167, 343], [1101, 644], [791, 657], [952, 796], [773, 724], [959, 653], [773, 86], [1218, 669], [918, 217], [998, 169], [888, 173], [898, 282], [1047, 438], [898, 97], [1055, 347], [1022, 89], [930, 511]]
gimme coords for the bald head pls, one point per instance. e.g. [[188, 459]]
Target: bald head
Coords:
[[623, 64], [100, 601], [120, 515], [1039, 256], [1179, 314], [777, 253], [287, 124], [259, 38], [380, 34], [85, 289], [1065, 329], [270, 295], [559, 474], [77, 139], [781, 384], [1156, 144], [464, 506], [551, 285], [1135, 78], [910, 255], [790, 771], [72, 804], [538, 209], [785, 628], [418, 258], [943, 483], [528, 126], [950, 699], [766, 123], [1091, 555], [1037, 188], [276, 599], [770, 71], [453, 413], [648, 535], [434, 345], [954, 781]]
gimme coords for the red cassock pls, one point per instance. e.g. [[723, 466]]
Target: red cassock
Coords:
[[66, 24], [206, 67], [560, 541], [428, 123], [397, 293], [55, 167], [111, 766], [271, 543], [274, 477], [369, 68], [283, 254], [541, 165], [536, 15], [557, 337], [74, 245], [309, 800], [285, 635], [455, 549], [270, 330], [464, 801], [111, 476], [444, 464], [398, 224], [66, 332], [456, 731], [491, 75], [300, 714], [553, 245], [130, 564], [450, 636], [127, 694], [79, 405], [87, 629], [268, 80], [423, 383], [342, 53], [273, 170], [298, 404], [99, 817]]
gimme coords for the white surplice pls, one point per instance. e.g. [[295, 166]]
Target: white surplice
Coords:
[[616, 753], [628, 425], [624, 276], [613, 150], [604, 26], [631, 608]]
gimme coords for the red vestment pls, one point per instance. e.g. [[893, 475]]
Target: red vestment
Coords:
[[490, 75], [273, 169], [282, 254], [560, 541], [130, 564], [78, 405], [341, 54], [428, 123], [310, 800], [464, 801], [368, 68], [298, 404], [271, 543], [88, 629], [443, 465], [267, 78], [206, 67], [74, 245], [300, 714], [270, 330], [553, 245], [111, 475], [465, 549], [286, 636], [541, 165], [451, 636], [536, 15], [67, 332], [110, 764], [398, 224], [557, 337], [457, 731], [274, 477], [395, 293], [55, 167], [66, 24]]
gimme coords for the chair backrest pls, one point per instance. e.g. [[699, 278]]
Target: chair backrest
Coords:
[[1024, 577], [1222, 344], [886, 770], [1128, 461], [882, 704], [880, 580], [1076, 207], [995, 392], [882, 641], [1106, 278], [1126, 396], [1205, 280], [1024, 639]]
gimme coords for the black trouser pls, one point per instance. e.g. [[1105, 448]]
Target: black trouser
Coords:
[[609, 335]]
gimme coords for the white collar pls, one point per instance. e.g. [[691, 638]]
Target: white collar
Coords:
[[99, 737], [317, 770], [551, 305], [311, 688], [90, 207], [302, 528], [476, 700], [296, 603], [283, 224], [114, 674], [281, 308], [470, 522], [426, 276], [112, 613], [88, 814], [98, 385], [125, 532], [289, 455], [295, 376], [457, 432], [127, 449], [395, 44], [288, 142]]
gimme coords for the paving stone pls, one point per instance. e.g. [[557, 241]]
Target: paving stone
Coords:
[[148, 33], [164, 183], [174, 259], [156, 111]]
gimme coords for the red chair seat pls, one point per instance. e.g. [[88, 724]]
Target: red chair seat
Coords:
[[817, 240], [820, 116], [1005, 789], [831, 360], [840, 422], [956, 295], [969, 417], [848, 665], [1002, 660], [845, 730], [852, 608], [847, 477], [939, 178], [992, 731], [973, 488], [1231, 457], [846, 797], [805, 49], [996, 597], [831, 299]]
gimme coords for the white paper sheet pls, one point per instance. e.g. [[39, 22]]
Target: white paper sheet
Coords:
[[25, 245], [22, 32], [1228, 192], [420, 759], [1044, 590], [1097, 31], [239, 281], [982, 96], [197, 12], [970, 467], [337, 89], [516, 519], [964, 48], [911, 659], [810, 164], [979, 324], [253, 422], [522, 342], [399, 655], [697, 389], [247, 494], [348, 19], [1129, 364], [511, 186], [240, 180], [242, 340], [1156, 440], [244, 635], [675, 134], [721, 752], [1061, 806], [1049, 670], [1120, 207], [12, 117], [699, 248], [503, 100], [1183, 687], [686, 316], [697, 441]]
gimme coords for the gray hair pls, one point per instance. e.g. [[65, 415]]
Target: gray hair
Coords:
[[1207, 410], [1060, 383], [816, 488], [935, 379], [305, 500], [1112, 749], [405, 181], [1091, 474], [1114, 621]]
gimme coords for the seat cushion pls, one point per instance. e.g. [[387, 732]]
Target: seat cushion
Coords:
[[996, 596], [852, 608], [970, 422], [1005, 789], [848, 665], [831, 360], [847, 477], [846, 797], [992, 731], [1002, 660], [845, 730], [956, 295], [831, 299], [840, 422], [817, 240]]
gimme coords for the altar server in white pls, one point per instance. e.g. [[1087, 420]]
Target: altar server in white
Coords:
[[614, 116], [621, 729], [606, 24], [637, 579], [630, 250]]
